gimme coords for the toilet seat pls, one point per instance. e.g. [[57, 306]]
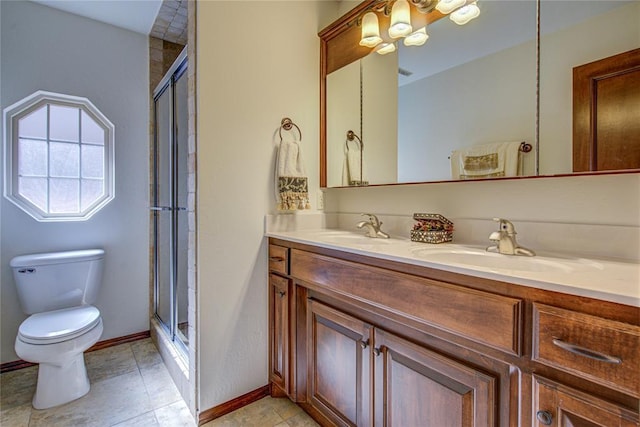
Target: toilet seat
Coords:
[[59, 325]]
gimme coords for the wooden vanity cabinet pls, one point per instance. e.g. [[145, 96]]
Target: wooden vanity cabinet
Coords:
[[557, 405], [339, 362], [380, 343], [415, 386], [279, 333]]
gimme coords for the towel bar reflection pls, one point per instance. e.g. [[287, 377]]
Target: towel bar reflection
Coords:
[[287, 124], [525, 147]]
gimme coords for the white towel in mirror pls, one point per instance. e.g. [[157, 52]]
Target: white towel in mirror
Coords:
[[486, 161], [351, 167]]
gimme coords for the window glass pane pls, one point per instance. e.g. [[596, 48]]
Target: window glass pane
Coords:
[[92, 190], [65, 195], [91, 131], [34, 125], [34, 190], [92, 161], [64, 123], [65, 159], [32, 157]]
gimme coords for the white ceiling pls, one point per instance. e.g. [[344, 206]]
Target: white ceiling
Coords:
[[134, 15]]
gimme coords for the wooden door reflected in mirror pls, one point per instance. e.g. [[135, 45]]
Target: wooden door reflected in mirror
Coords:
[[606, 113]]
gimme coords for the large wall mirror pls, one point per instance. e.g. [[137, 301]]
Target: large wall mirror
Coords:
[[439, 111]]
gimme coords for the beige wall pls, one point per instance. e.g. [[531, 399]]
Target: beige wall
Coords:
[[247, 82], [603, 200]]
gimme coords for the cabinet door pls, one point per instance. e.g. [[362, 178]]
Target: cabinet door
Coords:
[[279, 333], [418, 387], [557, 405], [339, 361]]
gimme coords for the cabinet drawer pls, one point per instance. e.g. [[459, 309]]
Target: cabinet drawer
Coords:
[[483, 317], [604, 351], [279, 259]]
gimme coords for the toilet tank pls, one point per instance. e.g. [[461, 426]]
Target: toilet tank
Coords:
[[50, 281]]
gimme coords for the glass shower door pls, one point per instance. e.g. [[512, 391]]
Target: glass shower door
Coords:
[[170, 203]]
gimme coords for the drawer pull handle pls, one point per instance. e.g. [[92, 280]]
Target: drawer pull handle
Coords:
[[276, 258], [544, 417], [582, 351]]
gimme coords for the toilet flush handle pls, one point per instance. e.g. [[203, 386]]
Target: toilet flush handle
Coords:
[[27, 270]]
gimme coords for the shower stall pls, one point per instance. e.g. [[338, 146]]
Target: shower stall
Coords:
[[169, 203]]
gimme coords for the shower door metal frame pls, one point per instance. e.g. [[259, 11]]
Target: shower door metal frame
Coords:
[[175, 72]]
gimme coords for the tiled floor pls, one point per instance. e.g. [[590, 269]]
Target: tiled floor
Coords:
[[267, 412], [130, 386]]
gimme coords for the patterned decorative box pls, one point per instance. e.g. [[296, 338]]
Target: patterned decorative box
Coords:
[[431, 228]]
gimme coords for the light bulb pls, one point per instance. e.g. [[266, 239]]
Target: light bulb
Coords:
[[465, 14], [448, 6], [400, 19], [385, 48], [370, 30], [417, 38]]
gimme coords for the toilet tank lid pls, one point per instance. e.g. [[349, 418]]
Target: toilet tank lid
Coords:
[[56, 258]]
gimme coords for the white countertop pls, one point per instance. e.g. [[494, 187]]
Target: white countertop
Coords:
[[604, 279]]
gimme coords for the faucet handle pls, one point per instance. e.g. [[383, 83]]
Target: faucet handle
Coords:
[[506, 225], [374, 219]]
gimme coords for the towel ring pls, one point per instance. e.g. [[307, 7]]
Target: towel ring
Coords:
[[287, 124], [351, 135]]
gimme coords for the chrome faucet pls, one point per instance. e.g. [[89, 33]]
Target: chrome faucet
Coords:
[[372, 227], [505, 240]]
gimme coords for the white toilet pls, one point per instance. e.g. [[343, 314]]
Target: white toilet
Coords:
[[56, 289]]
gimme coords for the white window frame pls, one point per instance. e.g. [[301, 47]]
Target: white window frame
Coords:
[[24, 107]]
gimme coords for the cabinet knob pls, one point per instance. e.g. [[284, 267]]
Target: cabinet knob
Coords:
[[544, 417], [376, 351], [364, 344], [282, 294], [276, 258]]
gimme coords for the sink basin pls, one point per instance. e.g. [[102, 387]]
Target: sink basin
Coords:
[[475, 257]]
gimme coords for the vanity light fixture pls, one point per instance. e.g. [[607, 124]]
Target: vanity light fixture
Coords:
[[370, 30], [400, 22], [447, 6], [417, 38], [384, 48], [465, 13]]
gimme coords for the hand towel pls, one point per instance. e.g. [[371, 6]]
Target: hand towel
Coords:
[[292, 191], [486, 161], [351, 168]]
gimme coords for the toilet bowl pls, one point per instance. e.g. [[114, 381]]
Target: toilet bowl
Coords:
[[57, 289]]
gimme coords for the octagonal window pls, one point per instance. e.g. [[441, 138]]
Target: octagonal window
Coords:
[[59, 157]]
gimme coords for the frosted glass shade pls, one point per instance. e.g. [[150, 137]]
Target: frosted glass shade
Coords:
[[417, 38], [400, 19], [465, 14], [385, 48], [370, 30], [447, 6]]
